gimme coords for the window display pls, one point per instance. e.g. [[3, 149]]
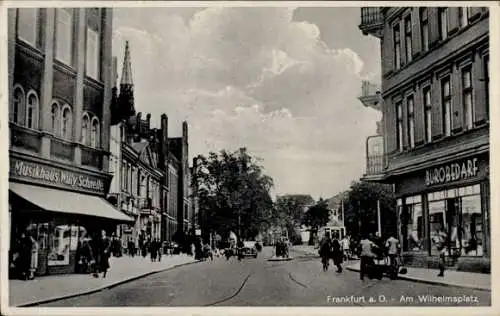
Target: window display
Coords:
[[60, 242], [413, 224], [457, 214]]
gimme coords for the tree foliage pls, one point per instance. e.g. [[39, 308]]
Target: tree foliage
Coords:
[[361, 208], [317, 216], [231, 186], [289, 213]]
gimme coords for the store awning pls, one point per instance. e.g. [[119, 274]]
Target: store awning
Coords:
[[68, 202]]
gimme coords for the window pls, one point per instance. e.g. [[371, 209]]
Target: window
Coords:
[[414, 224], [397, 46], [32, 110], [408, 44], [64, 35], [93, 54], [487, 82], [17, 104], [468, 105], [27, 25], [411, 121], [85, 129], [446, 102], [457, 213], [443, 23], [424, 25], [463, 15], [399, 109], [123, 174], [66, 122], [94, 134], [55, 118], [428, 114]]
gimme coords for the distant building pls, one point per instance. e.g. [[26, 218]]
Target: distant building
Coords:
[[435, 137]]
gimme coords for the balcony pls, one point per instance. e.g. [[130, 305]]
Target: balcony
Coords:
[[372, 21], [376, 158], [370, 95], [25, 138]]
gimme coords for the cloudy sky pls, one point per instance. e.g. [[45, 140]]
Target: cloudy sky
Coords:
[[282, 82]]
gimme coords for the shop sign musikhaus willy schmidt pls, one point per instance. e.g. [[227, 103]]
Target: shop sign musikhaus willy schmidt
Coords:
[[457, 171], [51, 175]]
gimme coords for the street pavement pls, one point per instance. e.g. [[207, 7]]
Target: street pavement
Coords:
[[259, 282]]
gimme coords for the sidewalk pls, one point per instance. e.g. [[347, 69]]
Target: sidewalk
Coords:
[[477, 281], [305, 250], [123, 269]]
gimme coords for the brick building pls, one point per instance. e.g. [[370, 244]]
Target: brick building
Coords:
[[435, 127], [60, 85]]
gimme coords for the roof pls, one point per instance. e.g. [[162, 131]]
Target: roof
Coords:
[[127, 67]]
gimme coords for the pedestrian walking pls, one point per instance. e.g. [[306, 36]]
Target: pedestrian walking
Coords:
[[325, 249], [393, 251], [153, 250], [337, 253], [367, 256], [102, 248], [25, 256], [441, 240], [345, 243]]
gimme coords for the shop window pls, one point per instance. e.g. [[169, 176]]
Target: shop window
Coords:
[[424, 25], [59, 244], [413, 224], [32, 110], [457, 214], [17, 104]]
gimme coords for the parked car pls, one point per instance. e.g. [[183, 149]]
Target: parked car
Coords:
[[249, 249]]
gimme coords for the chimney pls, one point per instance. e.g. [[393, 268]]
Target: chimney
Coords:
[[185, 131]]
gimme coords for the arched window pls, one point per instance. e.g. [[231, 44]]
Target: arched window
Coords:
[[32, 110], [66, 122], [85, 129], [94, 134], [17, 104], [55, 118]]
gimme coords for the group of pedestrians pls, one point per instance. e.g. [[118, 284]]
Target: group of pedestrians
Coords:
[[93, 254], [373, 248], [331, 248]]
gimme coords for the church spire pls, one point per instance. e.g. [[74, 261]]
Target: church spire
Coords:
[[127, 67], [125, 105]]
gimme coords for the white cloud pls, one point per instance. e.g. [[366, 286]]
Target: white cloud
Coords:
[[253, 77]]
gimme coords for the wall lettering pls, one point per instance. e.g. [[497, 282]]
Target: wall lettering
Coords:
[[452, 172]]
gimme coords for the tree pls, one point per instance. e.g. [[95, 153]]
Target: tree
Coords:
[[361, 208], [316, 216], [289, 213], [233, 194]]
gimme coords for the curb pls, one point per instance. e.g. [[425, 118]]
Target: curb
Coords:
[[280, 259], [105, 287], [413, 279]]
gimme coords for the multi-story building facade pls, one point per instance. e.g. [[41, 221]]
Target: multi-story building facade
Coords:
[[435, 131], [150, 179], [60, 84]]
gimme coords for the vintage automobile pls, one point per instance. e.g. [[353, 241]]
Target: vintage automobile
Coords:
[[248, 249]]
